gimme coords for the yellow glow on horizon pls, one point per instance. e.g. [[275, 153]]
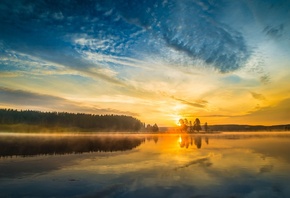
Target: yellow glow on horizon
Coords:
[[233, 104], [174, 119], [178, 123]]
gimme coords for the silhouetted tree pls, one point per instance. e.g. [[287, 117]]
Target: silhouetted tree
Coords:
[[149, 128], [186, 122], [205, 127], [183, 125], [155, 128], [196, 125], [190, 127]]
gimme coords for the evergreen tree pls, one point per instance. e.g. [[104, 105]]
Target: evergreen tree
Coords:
[[196, 125], [155, 128]]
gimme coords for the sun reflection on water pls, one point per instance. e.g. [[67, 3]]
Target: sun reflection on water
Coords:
[[209, 164], [179, 139]]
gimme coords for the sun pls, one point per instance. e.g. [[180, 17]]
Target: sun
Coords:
[[179, 122], [176, 119]]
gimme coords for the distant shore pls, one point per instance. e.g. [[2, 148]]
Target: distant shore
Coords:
[[28, 128]]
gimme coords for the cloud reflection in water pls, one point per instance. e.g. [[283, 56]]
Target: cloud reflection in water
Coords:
[[225, 165]]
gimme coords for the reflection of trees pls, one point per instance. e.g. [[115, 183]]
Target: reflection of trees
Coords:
[[197, 142], [186, 140], [154, 138], [28, 146], [206, 140]]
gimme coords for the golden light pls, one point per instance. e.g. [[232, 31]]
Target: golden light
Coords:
[[175, 117], [177, 121], [180, 139]]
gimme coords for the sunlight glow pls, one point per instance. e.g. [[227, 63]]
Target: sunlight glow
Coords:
[[180, 139], [114, 67]]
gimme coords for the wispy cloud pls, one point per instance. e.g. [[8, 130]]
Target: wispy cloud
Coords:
[[200, 37], [22, 98], [258, 96], [26, 98], [265, 79], [274, 31], [17, 63], [205, 161], [198, 104], [272, 114], [134, 51], [217, 116]]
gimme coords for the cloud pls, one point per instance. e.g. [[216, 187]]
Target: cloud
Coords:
[[186, 27], [257, 96], [190, 28], [198, 104], [274, 31], [30, 100], [225, 50], [266, 169], [137, 48], [194, 31], [271, 115], [217, 116], [17, 63], [202, 161], [19, 97], [265, 79], [9, 74]]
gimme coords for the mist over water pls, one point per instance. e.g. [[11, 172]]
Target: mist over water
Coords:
[[60, 144], [133, 165]]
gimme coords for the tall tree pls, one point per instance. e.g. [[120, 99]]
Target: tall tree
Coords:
[[196, 125]]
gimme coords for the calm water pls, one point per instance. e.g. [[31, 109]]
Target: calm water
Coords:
[[127, 165]]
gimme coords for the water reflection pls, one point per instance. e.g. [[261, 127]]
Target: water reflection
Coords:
[[153, 138], [51, 145], [161, 165], [186, 140]]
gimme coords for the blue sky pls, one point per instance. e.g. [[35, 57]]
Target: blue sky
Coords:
[[222, 61]]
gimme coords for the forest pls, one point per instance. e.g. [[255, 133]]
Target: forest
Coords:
[[30, 120]]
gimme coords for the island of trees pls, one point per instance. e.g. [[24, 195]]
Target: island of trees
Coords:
[[153, 128], [196, 126], [33, 121], [187, 126]]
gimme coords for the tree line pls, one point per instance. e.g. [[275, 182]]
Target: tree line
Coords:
[[82, 121], [187, 126]]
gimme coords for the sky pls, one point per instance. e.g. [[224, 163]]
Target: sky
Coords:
[[222, 61]]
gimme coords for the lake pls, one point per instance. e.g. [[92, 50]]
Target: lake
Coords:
[[145, 165]]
